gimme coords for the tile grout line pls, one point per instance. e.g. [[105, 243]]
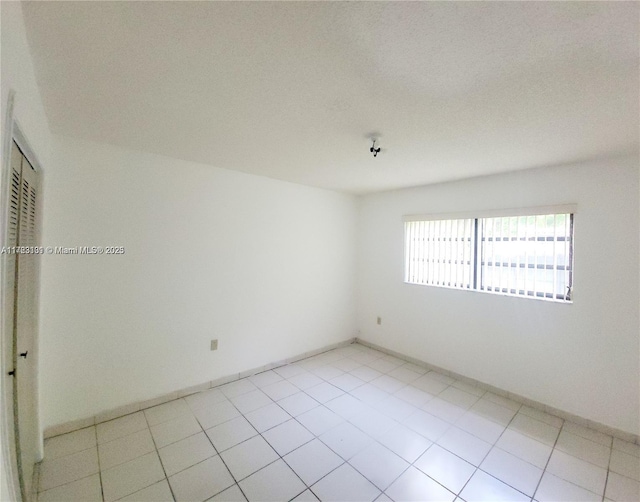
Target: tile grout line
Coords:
[[374, 440], [315, 437], [236, 482], [606, 480], [202, 429], [99, 468], [222, 459], [451, 424], [452, 453], [479, 463], [549, 459], [70, 482], [266, 441], [157, 451], [258, 433]]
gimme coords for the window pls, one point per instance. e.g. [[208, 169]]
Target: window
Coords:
[[528, 255]]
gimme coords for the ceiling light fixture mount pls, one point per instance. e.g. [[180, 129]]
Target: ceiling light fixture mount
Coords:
[[375, 151]]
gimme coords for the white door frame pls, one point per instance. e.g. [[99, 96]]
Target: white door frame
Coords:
[[9, 469]]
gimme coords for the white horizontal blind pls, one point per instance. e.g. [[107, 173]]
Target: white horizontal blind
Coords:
[[439, 252], [527, 255]]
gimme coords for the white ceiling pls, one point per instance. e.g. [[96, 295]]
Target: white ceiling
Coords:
[[293, 90]]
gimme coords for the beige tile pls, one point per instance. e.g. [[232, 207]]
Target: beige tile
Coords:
[[218, 413], [121, 411], [554, 489], [185, 453], [485, 488], [502, 401], [267, 417], [577, 471], [542, 416], [194, 389], [123, 449], [584, 449], [131, 477], [265, 378], [587, 433], [201, 481], [622, 488], [275, 482], [379, 465], [237, 388], [84, 490], [480, 427], [253, 371], [72, 442], [493, 411], [218, 382], [252, 401], [446, 468], [625, 464], [406, 443], [248, 457], [67, 427], [418, 368], [458, 397], [204, 399], [175, 430], [229, 434], [166, 412], [445, 410], [233, 494], [440, 375], [626, 447], [312, 461], [469, 387], [535, 429], [157, 401], [120, 427], [286, 437], [159, 492], [345, 483], [510, 469], [524, 447], [63, 470], [465, 445]]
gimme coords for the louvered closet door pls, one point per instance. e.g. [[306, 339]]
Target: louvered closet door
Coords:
[[9, 347], [26, 319], [23, 232]]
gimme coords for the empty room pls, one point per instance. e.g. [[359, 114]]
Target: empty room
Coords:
[[320, 251]]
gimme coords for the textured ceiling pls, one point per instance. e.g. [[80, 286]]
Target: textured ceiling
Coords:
[[293, 90]]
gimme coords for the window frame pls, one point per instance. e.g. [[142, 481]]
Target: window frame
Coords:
[[478, 250]]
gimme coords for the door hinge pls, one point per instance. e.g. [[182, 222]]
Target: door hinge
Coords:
[[12, 372]]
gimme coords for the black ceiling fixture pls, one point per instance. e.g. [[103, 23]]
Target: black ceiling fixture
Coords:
[[375, 151]]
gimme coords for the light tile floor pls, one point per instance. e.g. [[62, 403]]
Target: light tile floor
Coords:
[[349, 424]]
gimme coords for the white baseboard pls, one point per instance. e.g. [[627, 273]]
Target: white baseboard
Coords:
[[127, 409], [565, 415]]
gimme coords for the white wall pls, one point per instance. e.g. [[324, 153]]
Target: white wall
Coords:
[[17, 74], [583, 357], [266, 267]]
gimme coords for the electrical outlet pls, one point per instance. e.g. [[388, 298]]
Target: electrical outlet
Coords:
[[379, 320], [214, 344]]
